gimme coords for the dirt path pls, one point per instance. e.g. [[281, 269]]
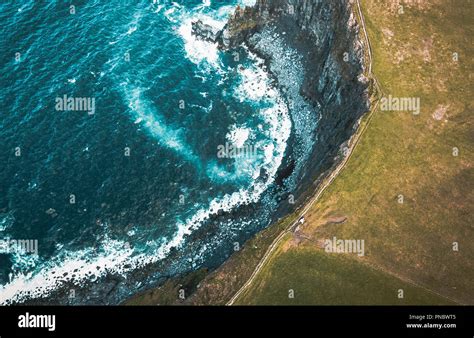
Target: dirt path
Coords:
[[354, 141]]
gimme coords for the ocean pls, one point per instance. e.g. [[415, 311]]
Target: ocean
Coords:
[[131, 152]]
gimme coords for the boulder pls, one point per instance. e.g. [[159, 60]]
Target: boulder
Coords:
[[206, 32]]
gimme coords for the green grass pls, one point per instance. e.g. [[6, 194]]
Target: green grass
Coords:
[[399, 154], [329, 279], [217, 287]]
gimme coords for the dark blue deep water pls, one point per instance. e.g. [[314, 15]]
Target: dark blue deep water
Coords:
[[130, 183]]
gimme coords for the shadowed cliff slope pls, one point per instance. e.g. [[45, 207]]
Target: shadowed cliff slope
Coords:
[[312, 48]]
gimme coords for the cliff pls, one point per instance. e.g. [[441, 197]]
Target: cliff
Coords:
[[312, 49]]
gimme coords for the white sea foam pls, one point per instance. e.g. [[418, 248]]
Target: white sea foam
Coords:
[[116, 257], [132, 27], [254, 85], [238, 135], [113, 256], [206, 3], [69, 266], [131, 30], [147, 114], [6, 221], [198, 50]]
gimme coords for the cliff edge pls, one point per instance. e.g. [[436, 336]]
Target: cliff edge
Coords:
[[312, 49]]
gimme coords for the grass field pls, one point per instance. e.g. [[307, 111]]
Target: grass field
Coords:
[[331, 280], [217, 287], [402, 157]]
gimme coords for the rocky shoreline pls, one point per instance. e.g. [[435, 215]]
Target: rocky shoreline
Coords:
[[321, 40], [333, 91]]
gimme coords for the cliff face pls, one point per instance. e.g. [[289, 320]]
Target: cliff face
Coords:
[[325, 36], [313, 50]]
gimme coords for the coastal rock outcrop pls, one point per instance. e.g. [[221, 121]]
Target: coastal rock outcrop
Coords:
[[314, 52], [206, 32]]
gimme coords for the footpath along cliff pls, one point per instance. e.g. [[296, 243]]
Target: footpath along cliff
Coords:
[[313, 50]]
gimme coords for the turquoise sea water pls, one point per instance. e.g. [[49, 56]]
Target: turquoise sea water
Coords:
[[129, 186]]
